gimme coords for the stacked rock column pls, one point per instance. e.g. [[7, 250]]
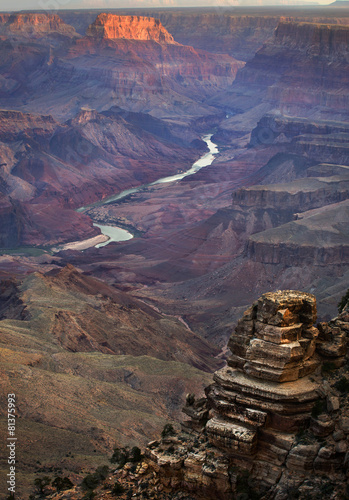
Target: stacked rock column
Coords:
[[265, 392]]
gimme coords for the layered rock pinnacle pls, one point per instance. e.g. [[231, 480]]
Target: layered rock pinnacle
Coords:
[[270, 420], [265, 383], [110, 26]]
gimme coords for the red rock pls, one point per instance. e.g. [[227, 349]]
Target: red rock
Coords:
[[35, 24], [111, 26]]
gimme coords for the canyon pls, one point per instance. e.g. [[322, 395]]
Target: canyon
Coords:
[[95, 103]]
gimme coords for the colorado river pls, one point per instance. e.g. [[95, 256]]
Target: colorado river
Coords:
[[115, 233]]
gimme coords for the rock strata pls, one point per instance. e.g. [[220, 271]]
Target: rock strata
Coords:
[[111, 26], [269, 423]]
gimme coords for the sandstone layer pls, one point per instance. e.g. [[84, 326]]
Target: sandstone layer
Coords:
[[35, 25], [130, 27], [237, 31]]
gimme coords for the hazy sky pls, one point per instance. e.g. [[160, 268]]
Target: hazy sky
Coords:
[[52, 5]]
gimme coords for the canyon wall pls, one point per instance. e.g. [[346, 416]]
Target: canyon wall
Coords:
[[35, 25], [301, 71], [240, 33], [130, 27]]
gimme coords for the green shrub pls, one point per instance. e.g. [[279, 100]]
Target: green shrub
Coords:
[[245, 488], [89, 495], [327, 488], [120, 457], [118, 489], [40, 484], [135, 455], [168, 430], [90, 482], [101, 473], [62, 483]]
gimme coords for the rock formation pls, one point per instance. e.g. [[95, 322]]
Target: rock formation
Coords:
[[262, 428], [130, 27], [302, 71], [239, 33], [35, 25]]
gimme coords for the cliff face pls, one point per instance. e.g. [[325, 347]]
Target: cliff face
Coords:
[[110, 26], [257, 405], [323, 40], [301, 71], [129, 61], [319, 237], [239, 34], [35, 25]]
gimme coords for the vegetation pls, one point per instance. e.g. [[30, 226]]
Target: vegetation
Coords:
[[62, 483], [89, 495], [135, 455], [304, 437], [168, 430], [118, 489], [343, 302], [190, 399], [91, 481], [40, 484], [123, 455]]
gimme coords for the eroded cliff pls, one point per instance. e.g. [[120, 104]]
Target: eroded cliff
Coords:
[[111, 26]]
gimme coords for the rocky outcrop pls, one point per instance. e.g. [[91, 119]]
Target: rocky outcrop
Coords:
[[35, 25], [320, 140], [257, 432], [318, 237], [111, 26]]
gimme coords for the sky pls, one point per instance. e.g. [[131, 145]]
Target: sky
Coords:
[[53, 5]]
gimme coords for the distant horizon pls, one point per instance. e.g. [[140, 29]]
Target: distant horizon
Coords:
[[57, 5]]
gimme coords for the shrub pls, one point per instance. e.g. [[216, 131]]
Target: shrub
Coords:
[[89, 495], [101, 473], [90, 482], [190, 399], [118, 489], [245, 487], [62, 483], [328, 366], [41, 483], [119, 457], [135, 455], [168, 430]]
